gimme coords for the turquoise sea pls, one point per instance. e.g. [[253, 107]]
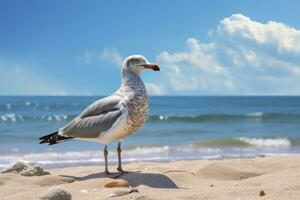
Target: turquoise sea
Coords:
[[191, 127]]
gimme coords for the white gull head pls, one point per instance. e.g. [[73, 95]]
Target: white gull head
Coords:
[[137, 63]]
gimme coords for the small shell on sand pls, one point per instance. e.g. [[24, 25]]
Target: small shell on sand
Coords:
[[117, 183], [122, 193], [84, 191]]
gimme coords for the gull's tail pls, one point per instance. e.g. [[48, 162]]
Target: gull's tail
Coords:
[[53, 138]]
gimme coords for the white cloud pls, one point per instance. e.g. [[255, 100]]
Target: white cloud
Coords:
[[282, 38], [244, 57], [196, 69], [111, 55], [154, 89], [87, 56], [198, 55]]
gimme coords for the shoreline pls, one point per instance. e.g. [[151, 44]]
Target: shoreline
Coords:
[[239, 178], [114, 161]]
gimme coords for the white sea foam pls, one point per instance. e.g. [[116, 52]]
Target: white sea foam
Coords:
[[86, 154], [166, 117], [11, 118], [73, 157], [157, 153], [60, 117], [3, 118], [267, 142], [56, 117], [162, 117], [53, 158], [255, 114], [148, 150]]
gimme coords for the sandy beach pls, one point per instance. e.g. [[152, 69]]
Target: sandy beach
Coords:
[[258, 178]]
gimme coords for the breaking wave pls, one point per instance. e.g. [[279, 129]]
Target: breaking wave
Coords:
[[222, 117], [249, 142], [54, 159], [12, 117], [266, 142]]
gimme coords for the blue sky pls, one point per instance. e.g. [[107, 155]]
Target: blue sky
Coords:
[[203, 47]]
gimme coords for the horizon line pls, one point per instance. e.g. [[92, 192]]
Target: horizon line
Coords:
[[184, 95]]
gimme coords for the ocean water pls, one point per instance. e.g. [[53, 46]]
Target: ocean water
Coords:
[[178, 128]]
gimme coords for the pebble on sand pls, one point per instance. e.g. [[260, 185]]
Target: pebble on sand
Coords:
[[24, 169], [262, 193], [35, 171], [117, 183], [16, 167], [57, 193]]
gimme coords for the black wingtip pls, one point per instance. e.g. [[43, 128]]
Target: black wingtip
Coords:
[[46, 136], [53, 138]]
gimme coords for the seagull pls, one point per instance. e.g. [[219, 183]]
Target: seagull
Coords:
[[114, 117]]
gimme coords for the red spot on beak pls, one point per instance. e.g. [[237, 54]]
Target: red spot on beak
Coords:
[[154, 67]]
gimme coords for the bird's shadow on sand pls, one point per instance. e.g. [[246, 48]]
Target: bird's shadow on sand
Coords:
[[135, 179]]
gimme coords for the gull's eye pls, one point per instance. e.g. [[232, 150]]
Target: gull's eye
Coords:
[[134, 62]]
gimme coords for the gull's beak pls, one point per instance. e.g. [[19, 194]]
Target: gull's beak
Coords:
[[154, 67]]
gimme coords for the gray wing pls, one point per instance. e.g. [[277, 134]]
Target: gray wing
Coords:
[[103, 105], [96, 118]]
